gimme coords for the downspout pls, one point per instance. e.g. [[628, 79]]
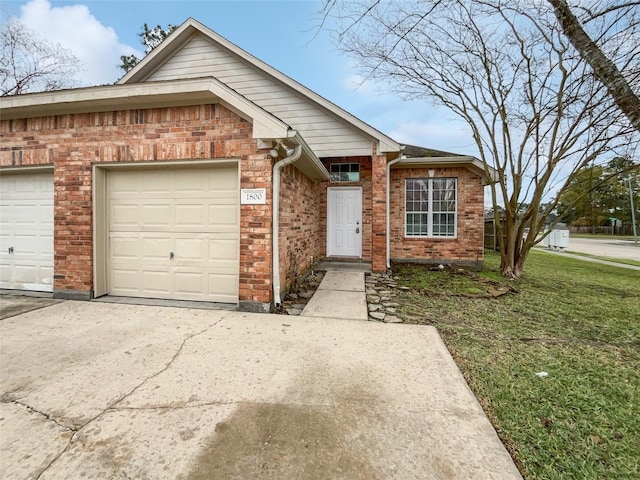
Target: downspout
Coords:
[[388, 241], [275, 250]]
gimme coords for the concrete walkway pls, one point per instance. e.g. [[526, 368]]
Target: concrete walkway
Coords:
[[341, 294], [99, 390]]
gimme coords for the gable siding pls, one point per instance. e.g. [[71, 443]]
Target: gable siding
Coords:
[[325, 134]]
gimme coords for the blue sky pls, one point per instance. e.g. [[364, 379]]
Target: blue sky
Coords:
[[281, 33]]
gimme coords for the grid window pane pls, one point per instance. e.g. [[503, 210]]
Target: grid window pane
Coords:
[[345, 172], [430, 207]]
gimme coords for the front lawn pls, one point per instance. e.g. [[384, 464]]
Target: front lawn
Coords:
[[576, 321]]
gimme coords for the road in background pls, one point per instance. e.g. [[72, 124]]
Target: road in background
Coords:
[[605, 247]]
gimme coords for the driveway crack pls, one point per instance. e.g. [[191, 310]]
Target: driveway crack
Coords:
[[159, 372], [8, 399], [111, 407]]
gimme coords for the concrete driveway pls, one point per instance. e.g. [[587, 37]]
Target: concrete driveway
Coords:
[[97, 390]]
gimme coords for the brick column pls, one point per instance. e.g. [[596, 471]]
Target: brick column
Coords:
[[73, 223], [379, 210], [256, 236]]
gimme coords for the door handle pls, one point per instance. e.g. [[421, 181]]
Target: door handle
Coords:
[[171, 255], [357, 229]]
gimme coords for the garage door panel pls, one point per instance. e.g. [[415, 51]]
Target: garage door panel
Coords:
[[196, 217], [188, 182], [190, 215], [223, 178], [224, 284], [223, 249], [190, 283], [158, 215], [156, 281], [124, 216], [127, 280], [190, 249], [223, 215], [30, 246], [124, 249], [26, 215], [26, 221], [155, 250]]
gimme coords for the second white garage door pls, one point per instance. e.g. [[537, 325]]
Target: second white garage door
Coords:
[[174, 234], [26, 231]]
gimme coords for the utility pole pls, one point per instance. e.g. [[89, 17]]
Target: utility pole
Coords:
[[633, 214]]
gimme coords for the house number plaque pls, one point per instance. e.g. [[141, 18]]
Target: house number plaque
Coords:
[[253, 196]]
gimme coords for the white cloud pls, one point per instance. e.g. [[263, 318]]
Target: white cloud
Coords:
[[359, 84], [75, 28]]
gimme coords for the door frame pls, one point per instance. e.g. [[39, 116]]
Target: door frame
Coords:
[[330, 220]]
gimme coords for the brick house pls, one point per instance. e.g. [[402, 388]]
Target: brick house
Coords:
[[205, 174]]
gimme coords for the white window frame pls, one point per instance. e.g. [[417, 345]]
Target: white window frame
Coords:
[[430, 212], [340, 165]]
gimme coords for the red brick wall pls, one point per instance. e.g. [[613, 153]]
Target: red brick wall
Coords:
[[73, 143], [300, 230], [255, 231], [467, 247], [365, 183], [379, 211]]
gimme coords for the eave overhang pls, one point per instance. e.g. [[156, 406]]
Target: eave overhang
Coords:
[[170, 93], [309, 163], [488, 174]]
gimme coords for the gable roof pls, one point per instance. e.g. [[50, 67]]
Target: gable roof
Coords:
[[415, 151], [160, 57]]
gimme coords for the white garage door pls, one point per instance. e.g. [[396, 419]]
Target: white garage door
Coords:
[[174, 234], [26, 232]]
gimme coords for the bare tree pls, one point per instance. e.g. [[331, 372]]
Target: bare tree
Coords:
[[32, 64], [532, 106]]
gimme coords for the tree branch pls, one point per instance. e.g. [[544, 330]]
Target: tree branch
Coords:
[[603, 68]]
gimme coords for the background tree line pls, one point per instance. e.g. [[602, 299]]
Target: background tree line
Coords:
[[589, 201]]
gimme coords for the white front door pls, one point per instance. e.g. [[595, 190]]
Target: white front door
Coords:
[[344, 221]]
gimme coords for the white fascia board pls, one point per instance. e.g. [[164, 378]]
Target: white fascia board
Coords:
[[265, 125], [141, 71], [143, 95], [311, 165], [107, 98]]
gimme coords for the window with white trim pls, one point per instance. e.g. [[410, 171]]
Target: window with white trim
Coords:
[[345, 172], [431, 207]]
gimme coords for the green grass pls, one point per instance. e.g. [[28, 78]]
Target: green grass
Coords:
[[624, 261], [576, 320]]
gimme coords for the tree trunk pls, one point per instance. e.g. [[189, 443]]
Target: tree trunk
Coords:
[[603, 68], [512, 266]]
